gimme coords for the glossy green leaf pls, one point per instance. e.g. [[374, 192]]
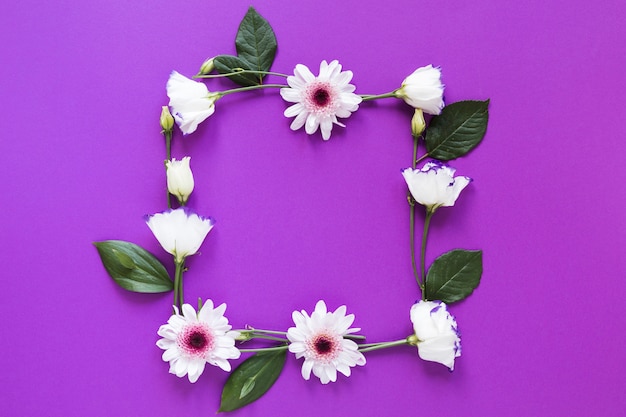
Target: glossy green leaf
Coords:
[[256, 42], [454, 275], [133, 268], [253, 378], [225, 64], [457, 130]]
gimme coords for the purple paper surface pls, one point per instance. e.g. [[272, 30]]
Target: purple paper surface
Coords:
[[299, 219]]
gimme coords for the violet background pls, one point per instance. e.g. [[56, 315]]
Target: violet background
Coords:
[[299, 219]]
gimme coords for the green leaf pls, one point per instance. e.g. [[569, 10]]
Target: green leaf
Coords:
[[133, 268], [256, 42], [253, 378], [227, 63], [457, 130], [454, 275]]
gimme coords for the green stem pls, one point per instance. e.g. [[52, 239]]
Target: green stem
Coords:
[[369, 97], [429, 215], [412, 221], [261, 336], [251, 87], [243, 71], [178, 284], [270, 349], [368, 347], [253, 330], [168, 152], [421, 158]]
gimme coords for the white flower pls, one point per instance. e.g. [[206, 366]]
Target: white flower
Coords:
[[179, 178], [434, 185], [320, 340], [191, 101], [437, 332], [423, 90], [320, 100], [180, 232], [190, 340]]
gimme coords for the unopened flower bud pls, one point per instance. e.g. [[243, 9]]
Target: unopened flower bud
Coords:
[[167, 121], [418, 124], [179, 178], [207, 67]]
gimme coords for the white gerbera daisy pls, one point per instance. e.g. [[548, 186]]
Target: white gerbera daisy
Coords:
[[320, 100], [192, 340], [320, 340]]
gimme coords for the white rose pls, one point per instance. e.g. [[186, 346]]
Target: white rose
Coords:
[[180, 232], [423, 90], [191, 101], [179, 178], [437, 333], [434, 185]]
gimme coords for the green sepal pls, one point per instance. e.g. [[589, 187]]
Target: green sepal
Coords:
[[256, 42], [253, 378], [457, 130], [133, 268], [454, 275], [225, 64]]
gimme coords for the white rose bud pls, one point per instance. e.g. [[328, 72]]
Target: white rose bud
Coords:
[[179, 178], [207, 67], [418, 124], [167, 121]]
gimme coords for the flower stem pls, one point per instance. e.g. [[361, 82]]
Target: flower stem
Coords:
[[429, 215], [368, 347], [252, 329], [261, 336], [178, 283], [242, 71], [250, 88], [412, 220], [369, 97], [269, 349], [168, 153]]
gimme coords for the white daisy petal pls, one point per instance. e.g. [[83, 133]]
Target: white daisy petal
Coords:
[[197, 342], [320, 100], [319, 339]]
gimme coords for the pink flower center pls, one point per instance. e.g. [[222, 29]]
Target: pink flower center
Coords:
[[196, 340], [320, 97], [325, 346]]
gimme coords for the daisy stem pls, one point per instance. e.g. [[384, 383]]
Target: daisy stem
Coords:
[[369, 97], [429, 214], [354, 336], [243, 71], [368, 347], [251, 87], [270, 349], [261, 331], [261, 336]]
